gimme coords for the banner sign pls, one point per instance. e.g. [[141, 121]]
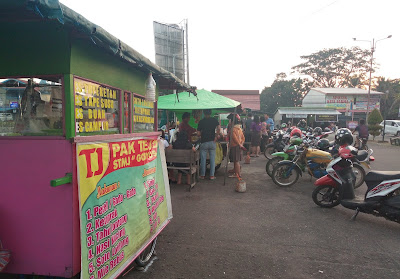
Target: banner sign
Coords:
[[351, 124], [124, 202], [362, 103], [326, 118], [338, 102]]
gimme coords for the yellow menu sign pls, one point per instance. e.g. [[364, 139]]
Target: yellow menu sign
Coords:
[[96, 107], [143, 115]]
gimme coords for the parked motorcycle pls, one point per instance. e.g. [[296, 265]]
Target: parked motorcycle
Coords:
[[313, 161], [288, 153], [286, 173], [279, 141], [382, 197]]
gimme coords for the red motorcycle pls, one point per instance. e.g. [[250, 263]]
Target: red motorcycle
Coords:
[[341, 178]]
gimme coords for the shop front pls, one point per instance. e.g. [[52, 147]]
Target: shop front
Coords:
[[85, 187], [352, 103], [315, 117]]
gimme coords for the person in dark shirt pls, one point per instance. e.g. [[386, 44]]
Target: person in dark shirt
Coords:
[[206, 130], [363, 134], [185, 127]]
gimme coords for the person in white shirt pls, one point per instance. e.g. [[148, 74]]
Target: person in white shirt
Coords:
[[172, 131]]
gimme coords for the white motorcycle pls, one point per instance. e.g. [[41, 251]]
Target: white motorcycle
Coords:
[[381, 199]]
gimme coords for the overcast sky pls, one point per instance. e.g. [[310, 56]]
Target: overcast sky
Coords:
[[244, 44]]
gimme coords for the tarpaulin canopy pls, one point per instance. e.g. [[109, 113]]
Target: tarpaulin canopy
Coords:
[[187, 101]]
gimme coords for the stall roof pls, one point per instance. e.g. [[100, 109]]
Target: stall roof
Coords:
[[307, 110], [187, 101], [52, 10]]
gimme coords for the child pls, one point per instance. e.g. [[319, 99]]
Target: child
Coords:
[[235, 152]]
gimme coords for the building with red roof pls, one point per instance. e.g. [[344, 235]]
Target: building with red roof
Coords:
[[249, 99]]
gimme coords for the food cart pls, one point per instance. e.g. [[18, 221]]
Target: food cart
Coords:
[[85, 186]]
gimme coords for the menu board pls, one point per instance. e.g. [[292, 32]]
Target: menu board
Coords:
[[124, 202], [143, 115], [96, 108]]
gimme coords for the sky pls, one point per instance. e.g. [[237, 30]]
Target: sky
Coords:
[[239, 45]]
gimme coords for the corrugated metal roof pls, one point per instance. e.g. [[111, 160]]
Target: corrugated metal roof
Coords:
[[307, 110], [345, 91], [22, 10], [248, 98]]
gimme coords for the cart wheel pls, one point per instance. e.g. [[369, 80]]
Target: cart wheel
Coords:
[[144, 258]]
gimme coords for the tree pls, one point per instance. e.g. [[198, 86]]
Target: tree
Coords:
[[336, 67], [283, 93], [374, 118], [389, 102]]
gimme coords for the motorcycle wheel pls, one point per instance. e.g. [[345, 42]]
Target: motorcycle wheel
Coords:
[[269, 167], [144, 257], [326, 196], [283, 177], [269, 149], [359, 172]]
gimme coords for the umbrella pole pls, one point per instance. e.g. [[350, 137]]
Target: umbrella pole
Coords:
[[166, 112], [227, 149]]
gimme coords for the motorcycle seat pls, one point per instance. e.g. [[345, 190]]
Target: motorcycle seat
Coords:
[[382, 175], [362, 155]]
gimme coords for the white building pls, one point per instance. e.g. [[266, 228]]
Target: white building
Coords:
[[351, 102], [342, 99]]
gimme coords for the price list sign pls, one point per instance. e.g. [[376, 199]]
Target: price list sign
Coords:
[[124, 202]]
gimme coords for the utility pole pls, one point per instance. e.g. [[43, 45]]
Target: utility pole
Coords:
[[187, 52], [373, 48]]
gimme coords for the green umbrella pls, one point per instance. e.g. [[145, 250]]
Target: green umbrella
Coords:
[[187, 101]]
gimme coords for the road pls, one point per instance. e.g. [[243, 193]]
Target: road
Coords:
[[272, 232]]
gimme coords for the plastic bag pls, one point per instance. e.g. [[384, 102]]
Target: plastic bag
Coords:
[[150, 88]]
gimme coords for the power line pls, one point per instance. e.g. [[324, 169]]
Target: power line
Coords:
[[317, 11]]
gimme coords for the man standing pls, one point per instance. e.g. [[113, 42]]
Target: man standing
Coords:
[[206, 130], [270, 123], [184, 126]]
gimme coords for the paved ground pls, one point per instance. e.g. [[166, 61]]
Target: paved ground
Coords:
[[272, 232]]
